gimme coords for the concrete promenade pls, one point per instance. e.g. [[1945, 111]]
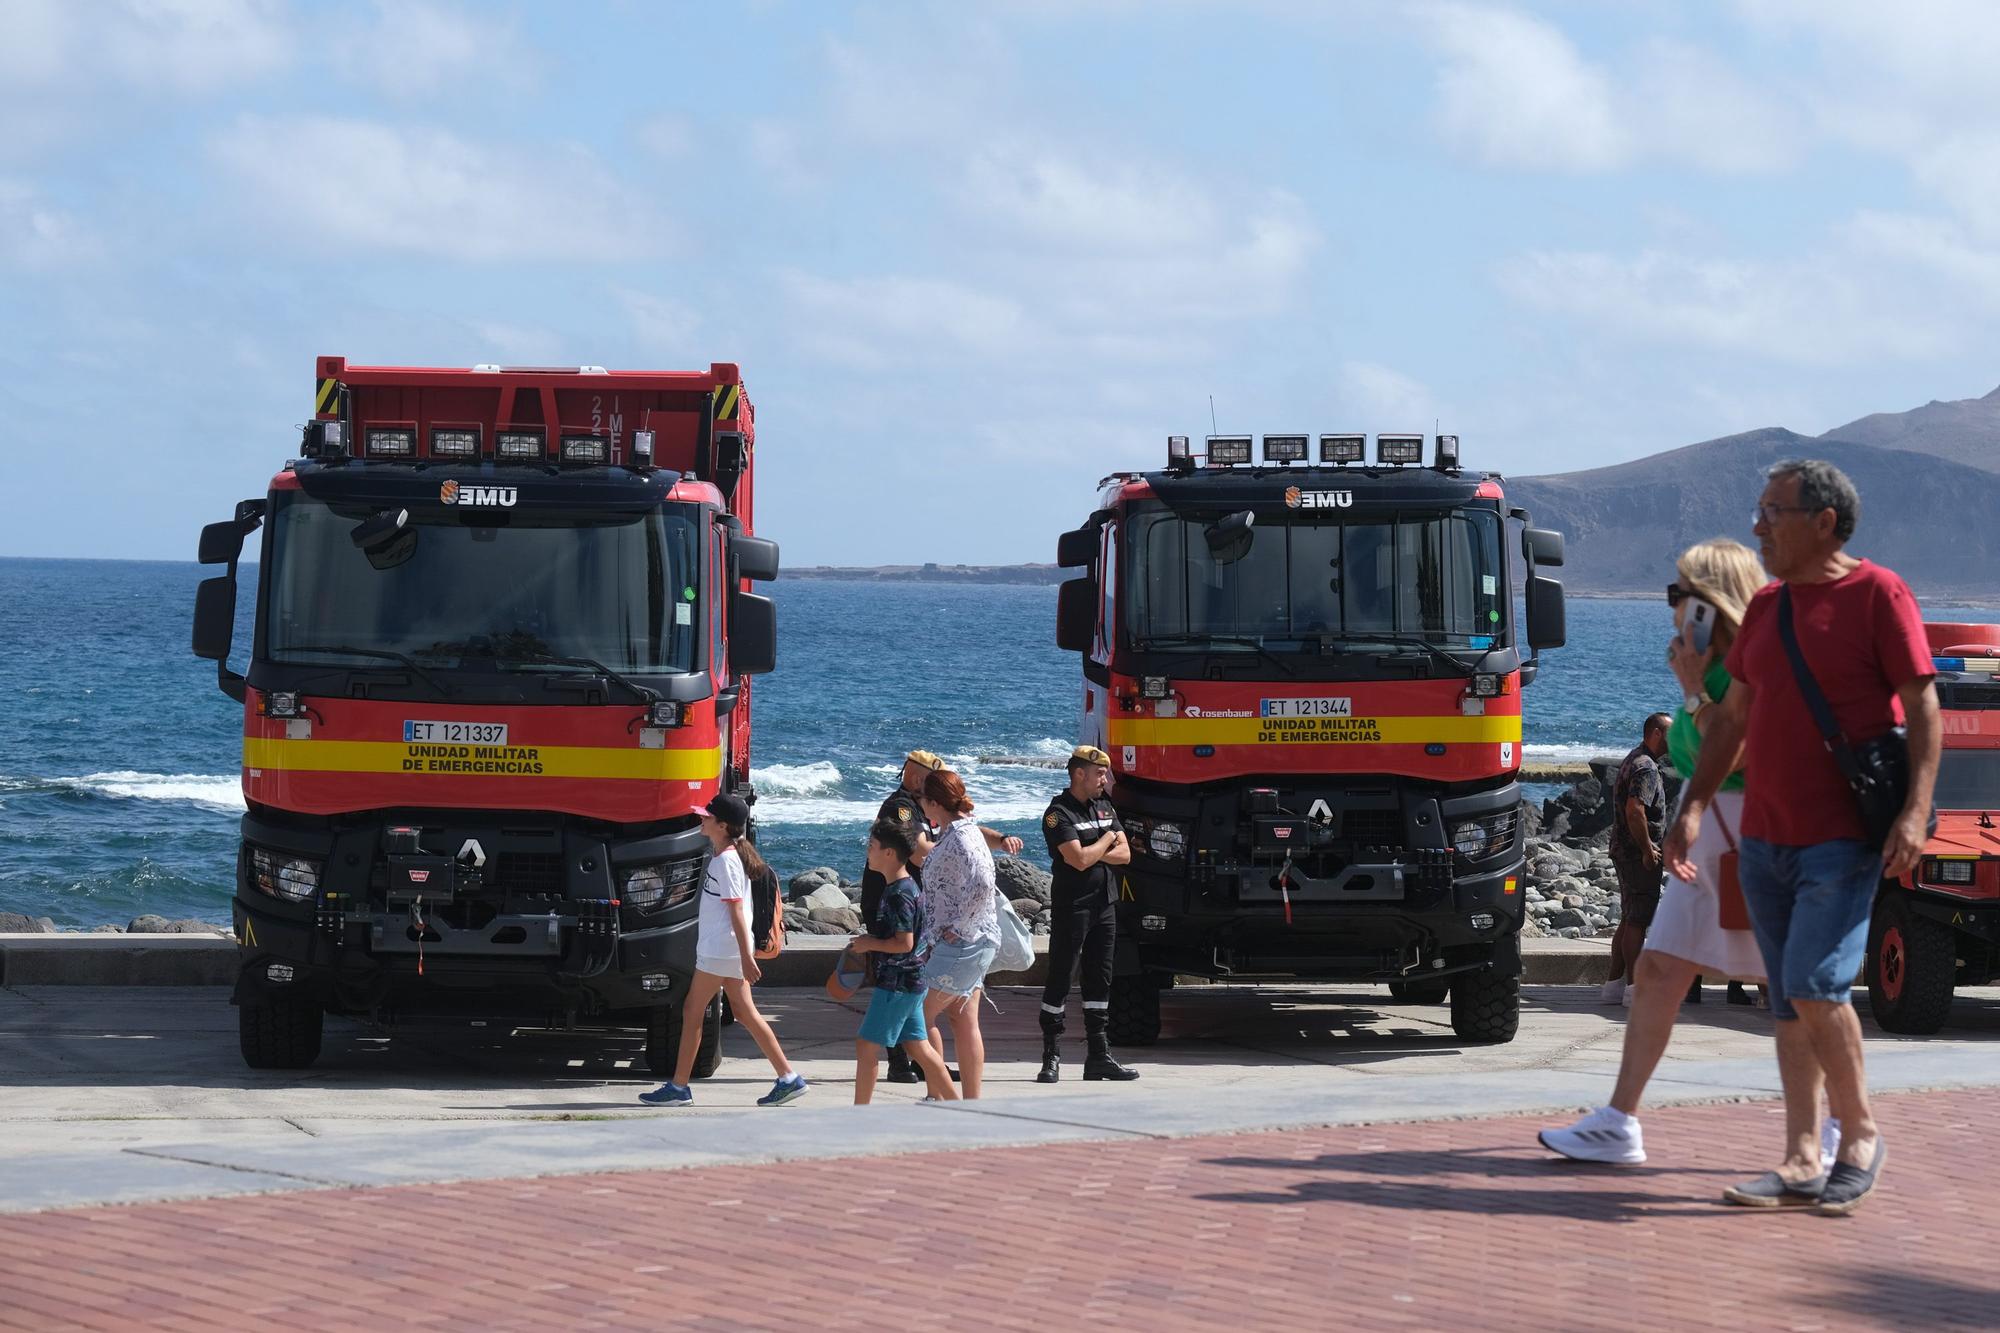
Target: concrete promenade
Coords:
[[1294, 1156]]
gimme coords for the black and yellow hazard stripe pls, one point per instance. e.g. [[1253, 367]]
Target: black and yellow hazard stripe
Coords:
[[327, 401], [728, 398]]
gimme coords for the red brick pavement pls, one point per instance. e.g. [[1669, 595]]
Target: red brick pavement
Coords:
[[1440, 1224]]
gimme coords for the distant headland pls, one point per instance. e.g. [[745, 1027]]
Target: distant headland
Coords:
[[932, 573]]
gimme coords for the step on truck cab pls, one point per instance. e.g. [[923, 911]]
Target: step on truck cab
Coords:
[[503, 647], [1308, 677], [1938, 927]]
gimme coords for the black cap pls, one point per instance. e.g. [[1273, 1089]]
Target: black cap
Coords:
[[727, 807]]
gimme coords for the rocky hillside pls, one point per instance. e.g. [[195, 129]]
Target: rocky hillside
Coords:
[[1966, 431], [1935, 521]]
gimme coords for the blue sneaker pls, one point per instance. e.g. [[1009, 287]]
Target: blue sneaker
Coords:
[[669, 1094], [788, 1088]]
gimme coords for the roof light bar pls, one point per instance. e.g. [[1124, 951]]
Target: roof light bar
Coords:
[[1179, 455], [1285, 448], [399, 441], [1343, 448], [454, 441], [1399, 449], [1228, 450], [589, 450], [517, 444], [1447, 453]]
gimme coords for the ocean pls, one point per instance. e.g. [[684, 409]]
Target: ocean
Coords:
[[119, 757]]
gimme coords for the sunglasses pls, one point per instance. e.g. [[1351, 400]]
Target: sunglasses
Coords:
[[1676, 594]]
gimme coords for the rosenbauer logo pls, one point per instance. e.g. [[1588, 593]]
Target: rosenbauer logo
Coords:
[[486, 496], [1298, 499]]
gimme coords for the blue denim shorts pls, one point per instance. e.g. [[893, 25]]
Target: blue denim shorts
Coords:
[[959, 968], [1809, 909], [894, 1017]]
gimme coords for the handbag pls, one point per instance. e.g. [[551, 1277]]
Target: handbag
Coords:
[[1877, 771], [1732, 912], [1017, 943]]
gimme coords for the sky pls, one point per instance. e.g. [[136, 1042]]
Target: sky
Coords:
[[973, 257]]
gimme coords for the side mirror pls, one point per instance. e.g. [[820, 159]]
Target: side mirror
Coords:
[[386, 538], [1547, 627], [1542, 547], [1076, 615], [1075, 550], [1229, 540], [755, 558], [753, 634], [214, 616], [221, 543]]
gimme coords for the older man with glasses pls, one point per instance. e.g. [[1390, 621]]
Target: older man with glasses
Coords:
[[1831, 660]]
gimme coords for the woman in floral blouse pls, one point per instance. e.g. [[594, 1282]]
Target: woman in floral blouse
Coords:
[[962, 927]]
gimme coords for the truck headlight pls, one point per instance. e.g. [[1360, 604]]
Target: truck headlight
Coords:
[[665, 884], [1167, 840], [292, 879], [1949, 872], [1486, 835]]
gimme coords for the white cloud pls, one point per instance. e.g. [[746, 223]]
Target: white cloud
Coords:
[[1375, 397], [35, 235], [1686, 105], [318, 180], [876, 323], [662, 329], [192, 46], [1515, 92], [414, 51], [667, 135]]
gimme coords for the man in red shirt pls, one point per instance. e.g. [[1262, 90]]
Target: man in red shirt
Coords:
[[1808, 872]]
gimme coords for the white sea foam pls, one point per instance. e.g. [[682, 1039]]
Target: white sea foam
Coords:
[[213, 793], [1571, 754], [796, 779]]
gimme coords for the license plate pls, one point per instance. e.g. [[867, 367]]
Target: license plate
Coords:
[[1308, 708], [454, 733]]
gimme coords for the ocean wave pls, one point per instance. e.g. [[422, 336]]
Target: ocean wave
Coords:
[[1569, 753], [820, 811], [796, 779], [209, 792]]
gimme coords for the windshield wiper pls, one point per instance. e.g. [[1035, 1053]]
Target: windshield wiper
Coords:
[[1406, 641], [402, 659], [640, 692], [1196, 640]]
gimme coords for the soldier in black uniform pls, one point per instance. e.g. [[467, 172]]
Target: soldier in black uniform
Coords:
[[901, 809], [1085, 840]]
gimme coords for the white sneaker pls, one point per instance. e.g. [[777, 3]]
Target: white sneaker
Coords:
[[1829, 1142], [1605, 1135], [1613, 992]]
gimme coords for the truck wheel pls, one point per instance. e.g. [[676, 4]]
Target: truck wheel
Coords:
[[663, 1040], [1912, 965], [1420, 992], [1485, 1007], [279, 1033], [1134, 1018]]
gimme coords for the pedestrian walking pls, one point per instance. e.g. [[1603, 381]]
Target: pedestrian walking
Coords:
[[1085, 840], [1699, 926], [904, 807], [895, 1018], [1639, 820], [962, 929], [725, 957], [1829, 667]]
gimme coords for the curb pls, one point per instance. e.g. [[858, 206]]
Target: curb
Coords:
[[203, 960]]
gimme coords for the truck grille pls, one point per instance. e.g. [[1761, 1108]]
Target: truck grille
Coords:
[[1372, 828], [531, 872]]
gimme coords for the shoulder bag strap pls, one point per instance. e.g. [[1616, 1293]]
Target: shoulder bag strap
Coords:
[[1822, 711], [1723, 824]]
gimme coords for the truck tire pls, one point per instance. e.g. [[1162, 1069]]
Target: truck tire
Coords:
[[1134, 1018], [663, 1040], [1912, 966], [279, 1033], [1485, 1006], [1420, 992]]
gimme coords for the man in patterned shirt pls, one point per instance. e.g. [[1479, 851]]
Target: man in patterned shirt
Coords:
[[1638, 819]]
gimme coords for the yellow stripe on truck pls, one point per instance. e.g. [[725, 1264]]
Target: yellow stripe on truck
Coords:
[[328, 395], [541, 761], [1445, 730]]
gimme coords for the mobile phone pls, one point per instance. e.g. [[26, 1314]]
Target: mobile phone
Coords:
[[1699, 628]]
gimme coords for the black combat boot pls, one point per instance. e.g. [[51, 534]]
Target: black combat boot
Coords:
[[1052, 1030], [902, 1069], [1098, 1064]]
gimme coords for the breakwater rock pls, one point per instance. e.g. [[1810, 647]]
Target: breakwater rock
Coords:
[[1571, 885], [822, 901]]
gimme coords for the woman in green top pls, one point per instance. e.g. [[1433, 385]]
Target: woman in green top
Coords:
[[1686, 938]]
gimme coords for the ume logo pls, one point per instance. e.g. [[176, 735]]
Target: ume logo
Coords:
[[454, 494], [1298, 499]]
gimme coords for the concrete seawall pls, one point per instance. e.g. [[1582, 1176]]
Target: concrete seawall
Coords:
[[202, 960]]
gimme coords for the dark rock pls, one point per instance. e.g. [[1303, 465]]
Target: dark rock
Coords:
[[1019, 879], [16, 923], [107, 930], [843, 919], [803, 884], [159, 925], [1563, 918], [1027, 908], [811, 927]]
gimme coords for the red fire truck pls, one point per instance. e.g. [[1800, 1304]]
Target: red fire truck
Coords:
[[1939, 927], [1308, 678], [503, 647]]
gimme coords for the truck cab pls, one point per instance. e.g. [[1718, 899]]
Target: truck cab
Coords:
[[1938, 927], [503, 647], [1308, 677]]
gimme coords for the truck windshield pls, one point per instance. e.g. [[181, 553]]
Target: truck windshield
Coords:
[[1434, 579], [613, 588], [1968, 780]]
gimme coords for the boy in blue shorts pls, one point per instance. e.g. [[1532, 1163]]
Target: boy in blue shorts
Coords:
[[895, 1015]]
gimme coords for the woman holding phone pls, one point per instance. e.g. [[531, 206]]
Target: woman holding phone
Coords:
[[1697, 928]]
